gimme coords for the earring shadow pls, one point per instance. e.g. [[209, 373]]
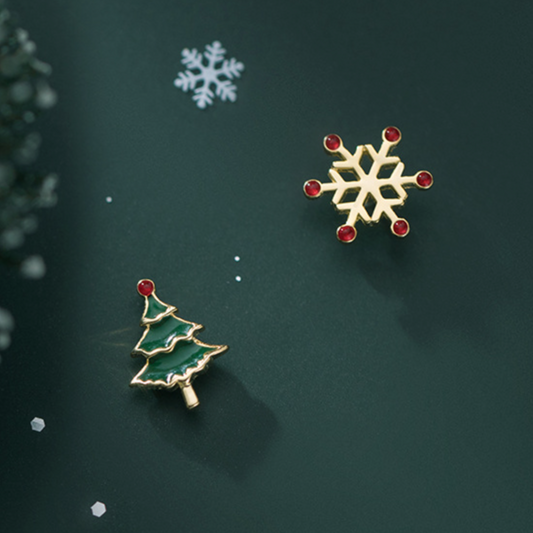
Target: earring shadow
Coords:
[[229, 431], [436, 284]]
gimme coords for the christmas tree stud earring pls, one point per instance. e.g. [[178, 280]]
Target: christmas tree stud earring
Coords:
[[174, 357], [383, 186]]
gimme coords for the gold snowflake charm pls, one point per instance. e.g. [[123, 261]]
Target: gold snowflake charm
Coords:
[[384, 189]]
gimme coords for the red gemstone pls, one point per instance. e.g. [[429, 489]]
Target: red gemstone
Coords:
[[424, 179], [312, 188], [332, 142], [346, 233], [145, 287], [400, 227], [392, 134]]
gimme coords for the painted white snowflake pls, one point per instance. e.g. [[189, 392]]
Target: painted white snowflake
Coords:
[[209, 72], [376, 192]]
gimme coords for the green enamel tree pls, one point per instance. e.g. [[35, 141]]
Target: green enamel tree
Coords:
[[174, 356]]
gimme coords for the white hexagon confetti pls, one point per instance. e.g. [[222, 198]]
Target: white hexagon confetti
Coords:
[[98, 509], [37, 424]]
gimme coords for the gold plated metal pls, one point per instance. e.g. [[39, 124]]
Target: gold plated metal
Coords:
[[385, 190]]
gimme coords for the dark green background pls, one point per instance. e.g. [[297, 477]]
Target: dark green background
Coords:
[[381, 387]]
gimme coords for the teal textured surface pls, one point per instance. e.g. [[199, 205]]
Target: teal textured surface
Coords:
[[377, 387]]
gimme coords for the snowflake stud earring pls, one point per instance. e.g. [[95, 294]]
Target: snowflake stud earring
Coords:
[[210, 73], [382, 188], [174, 357]]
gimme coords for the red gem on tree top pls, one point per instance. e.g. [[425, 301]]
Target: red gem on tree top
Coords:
[[346, 233], [145, 287], [392, 134], [424, 179], [332, 142], [312, 188], [400, 227]]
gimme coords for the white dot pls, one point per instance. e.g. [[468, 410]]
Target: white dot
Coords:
[[37, 424], [109, 199], [237, 258], [238, 278], [98, 509]]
